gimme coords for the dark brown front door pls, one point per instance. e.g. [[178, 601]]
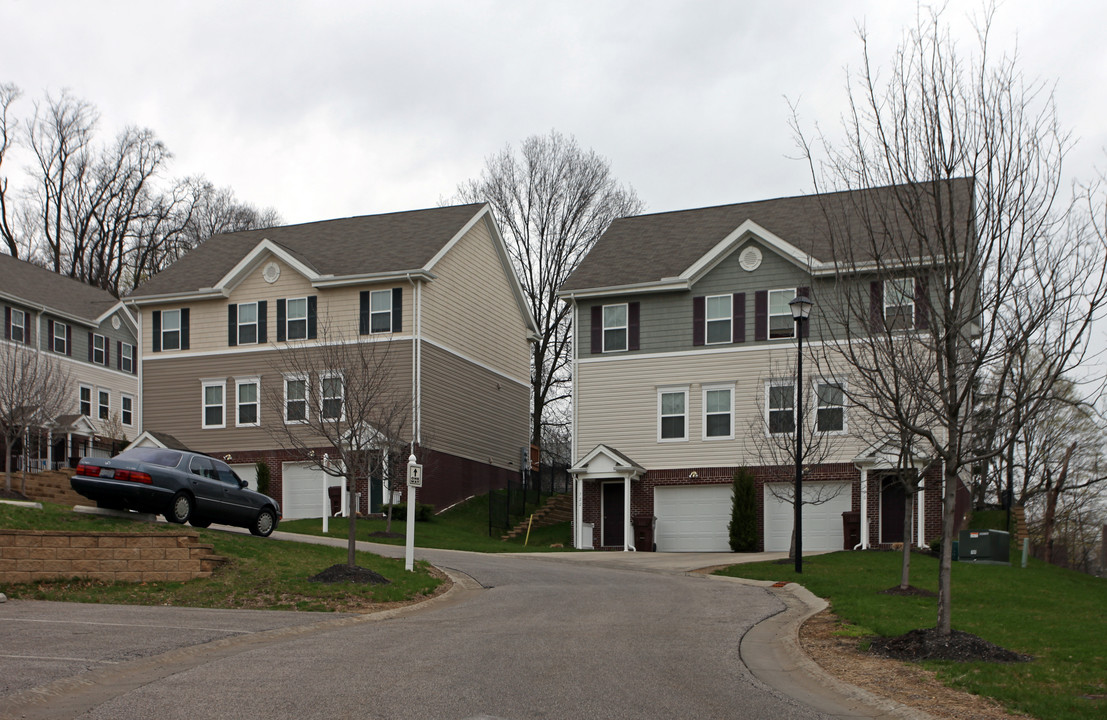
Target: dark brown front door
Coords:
[[892, 499], [613, 516]]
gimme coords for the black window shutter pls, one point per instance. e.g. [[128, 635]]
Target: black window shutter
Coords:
[[761, 315], [156, 326], [232, 324], [107, 353], [29, 326], [184, 328], [50, 335], [363, 322], [805, 327], [281, 329], [69, 340], [397, 309], [90, 347], [119, 354], [263, 321], [312, 308], [699, 320], [634, 311], [876, 306], [7, 323], [739, 318], [922, 305], [597, 329]]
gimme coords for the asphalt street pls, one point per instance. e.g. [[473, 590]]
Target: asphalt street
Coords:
[[520, 637]]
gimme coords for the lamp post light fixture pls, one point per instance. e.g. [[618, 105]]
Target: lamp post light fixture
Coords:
[[801, 310]]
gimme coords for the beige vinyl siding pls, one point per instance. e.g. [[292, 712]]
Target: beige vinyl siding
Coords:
[[100, 378], [617, 404], [471, 412], [470, 307], [172, 396]]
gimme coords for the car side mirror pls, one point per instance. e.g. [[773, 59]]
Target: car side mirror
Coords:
[[242, 484]]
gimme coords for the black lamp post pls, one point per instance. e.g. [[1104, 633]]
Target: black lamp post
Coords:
[[801, 310]]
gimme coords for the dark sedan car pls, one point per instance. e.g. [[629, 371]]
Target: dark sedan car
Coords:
[[183, 486]]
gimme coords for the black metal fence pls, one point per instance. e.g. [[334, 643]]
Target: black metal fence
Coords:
[[525, 494]]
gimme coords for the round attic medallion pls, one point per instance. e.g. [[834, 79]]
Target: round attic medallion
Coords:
[[750, 259], [115, 322], [271, 272]]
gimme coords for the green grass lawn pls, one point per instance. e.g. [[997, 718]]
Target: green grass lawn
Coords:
[[464, 527], [262, 573], [1058, 616]]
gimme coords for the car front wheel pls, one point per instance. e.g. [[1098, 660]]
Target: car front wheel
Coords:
[[180, 510], [264, 523]]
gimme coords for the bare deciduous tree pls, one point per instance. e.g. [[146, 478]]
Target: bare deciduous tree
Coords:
[[964, 254], [34, 389], [344, 393], [552, 200]]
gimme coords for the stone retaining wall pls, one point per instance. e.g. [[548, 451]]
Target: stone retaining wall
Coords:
[[29, 555]]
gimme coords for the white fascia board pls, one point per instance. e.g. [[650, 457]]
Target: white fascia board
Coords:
[[833, 268], [126, 314], [255, 257], [332, 281], [663, 285], [485, 209], [201, 294], [728, 244]]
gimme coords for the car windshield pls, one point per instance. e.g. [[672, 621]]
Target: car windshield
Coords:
[[154, 456]]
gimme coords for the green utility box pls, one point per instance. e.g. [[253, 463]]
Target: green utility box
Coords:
[[985, 546]]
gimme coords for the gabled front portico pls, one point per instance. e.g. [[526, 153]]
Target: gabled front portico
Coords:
[[884, 458], [613, 473]]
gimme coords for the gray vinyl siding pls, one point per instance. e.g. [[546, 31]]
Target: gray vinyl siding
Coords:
[[472, 412], [172, 396], [113, 336]]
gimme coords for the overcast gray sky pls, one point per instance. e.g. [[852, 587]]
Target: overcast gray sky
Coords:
[[332, 109]]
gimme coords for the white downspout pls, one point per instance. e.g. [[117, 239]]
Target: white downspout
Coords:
[[864, 544], [920, 501], [627, 536]]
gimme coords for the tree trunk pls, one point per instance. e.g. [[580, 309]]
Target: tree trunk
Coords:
[[7, 465], [351, 512], [945, 563], [1051, 504], [908, 512]]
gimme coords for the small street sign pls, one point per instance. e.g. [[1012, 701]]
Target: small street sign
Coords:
[[415, 475]]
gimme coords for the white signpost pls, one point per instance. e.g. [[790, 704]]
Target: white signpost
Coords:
[[414, 480]]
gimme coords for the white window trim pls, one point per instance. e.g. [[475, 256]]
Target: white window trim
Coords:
[[845, 405], [99, 406], [22, 325], [91, 400], [769, 315], [165, 331], [238, 383], [668, 390], [624, 327], [288, 319], [307, 399], [122, 416], [64, 335], [717, 386], [323, 398], [221, 383], [910, 302], [124, 359], [372, 312], [239, 324], [103, 350], [779, 383], [707, 320]]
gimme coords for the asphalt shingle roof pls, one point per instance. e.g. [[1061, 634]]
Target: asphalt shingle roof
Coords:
[[44, 288], [393, 242]]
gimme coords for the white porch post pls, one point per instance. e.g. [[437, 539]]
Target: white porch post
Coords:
[[627, 545], [49, 449], [920, 514], [578, 512], [864, 508]]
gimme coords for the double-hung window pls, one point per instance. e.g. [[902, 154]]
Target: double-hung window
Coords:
[[60, 340], [215, 392], [126, 409], [672, 410], [171, 330], [781, 407], [899, 303], [127, 357], [246, 390], [99, 349], [830, 407], [614, 328], [296, 320], [380, 311], [248, 323], [719, 309], [781, 323], [295, 399], [18, 332], [85, 400], [718, 412], [103, 404], [330, 387]]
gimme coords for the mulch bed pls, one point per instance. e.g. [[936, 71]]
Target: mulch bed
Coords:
[[909, 591], [347, 574], [927, 644], [12, 495]]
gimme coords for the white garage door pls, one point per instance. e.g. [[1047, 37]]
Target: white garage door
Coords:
[[692, 518], [248, 472], [822, 524], [302, 491]]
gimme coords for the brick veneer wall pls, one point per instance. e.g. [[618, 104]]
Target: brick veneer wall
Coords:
[[29, 555]]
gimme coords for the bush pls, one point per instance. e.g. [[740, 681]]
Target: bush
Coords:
[[263, 477], [743, 514], [423, 512]]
